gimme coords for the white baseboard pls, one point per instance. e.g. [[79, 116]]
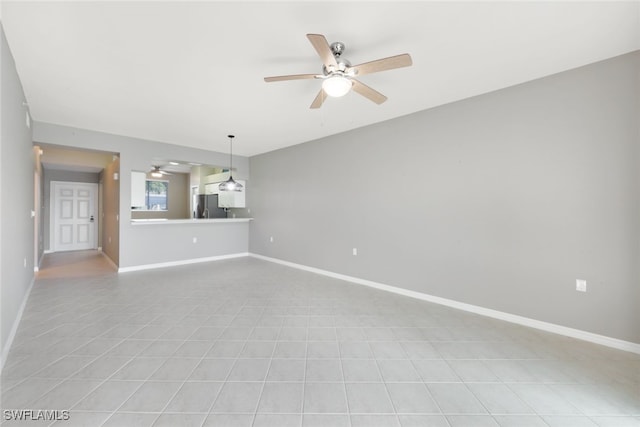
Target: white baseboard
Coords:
[[513, 318], [14, 327], [183, 262]]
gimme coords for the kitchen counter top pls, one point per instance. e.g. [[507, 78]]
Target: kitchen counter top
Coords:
[[164, 221]]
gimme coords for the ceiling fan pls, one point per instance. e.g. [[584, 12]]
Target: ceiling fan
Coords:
[[339, 76], [156, 172]]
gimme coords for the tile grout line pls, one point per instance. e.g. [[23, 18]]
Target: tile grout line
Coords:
[[304, 377], [344, 381], [195, 366], [152, 341], [224, 382], [427, 387], [134, 357], [70, 354], [265, 376]]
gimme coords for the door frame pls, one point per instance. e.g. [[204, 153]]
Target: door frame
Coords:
[[53, 198]]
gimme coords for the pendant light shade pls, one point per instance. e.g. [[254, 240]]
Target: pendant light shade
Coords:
[[230, 184]]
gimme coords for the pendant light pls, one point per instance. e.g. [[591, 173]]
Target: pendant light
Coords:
[[230, 184]]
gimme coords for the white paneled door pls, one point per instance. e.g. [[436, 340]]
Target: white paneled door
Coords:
[[74, 216]]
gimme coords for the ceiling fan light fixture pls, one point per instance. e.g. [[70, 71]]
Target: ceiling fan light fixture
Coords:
[[339, 76], [337, 85], [156, 174]]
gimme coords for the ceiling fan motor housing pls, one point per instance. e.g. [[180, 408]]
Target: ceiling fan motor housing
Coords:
[[337, 48], [343, 65]]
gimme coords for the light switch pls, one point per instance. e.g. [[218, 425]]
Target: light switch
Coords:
[[581, 285]]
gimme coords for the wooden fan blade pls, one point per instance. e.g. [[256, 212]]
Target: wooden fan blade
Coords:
[[384, 64], [291, 77], [321, 46], [317, 103], [368, 92]]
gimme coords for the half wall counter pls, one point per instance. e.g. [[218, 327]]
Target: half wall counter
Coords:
[[160, 243]]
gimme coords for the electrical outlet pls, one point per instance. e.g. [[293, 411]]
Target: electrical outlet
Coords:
[[581, 285], [271, 239], [355, 251], [195, 240]]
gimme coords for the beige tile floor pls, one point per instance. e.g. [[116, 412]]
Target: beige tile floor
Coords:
[[245, 342]]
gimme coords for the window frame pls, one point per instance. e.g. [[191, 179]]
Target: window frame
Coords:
[[149, 208]]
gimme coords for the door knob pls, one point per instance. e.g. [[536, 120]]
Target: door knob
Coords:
[[91, 218]]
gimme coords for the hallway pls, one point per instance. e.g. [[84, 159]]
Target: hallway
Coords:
[[60, 265]]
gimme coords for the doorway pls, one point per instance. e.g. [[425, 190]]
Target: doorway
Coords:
[[74, 216], [77, 166]]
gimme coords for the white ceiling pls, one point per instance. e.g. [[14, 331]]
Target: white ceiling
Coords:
[[190, 73]]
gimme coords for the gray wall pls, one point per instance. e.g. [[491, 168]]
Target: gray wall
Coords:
[[16, 197], [168, 243], [501, 201], [66, 176], [38, 201]]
